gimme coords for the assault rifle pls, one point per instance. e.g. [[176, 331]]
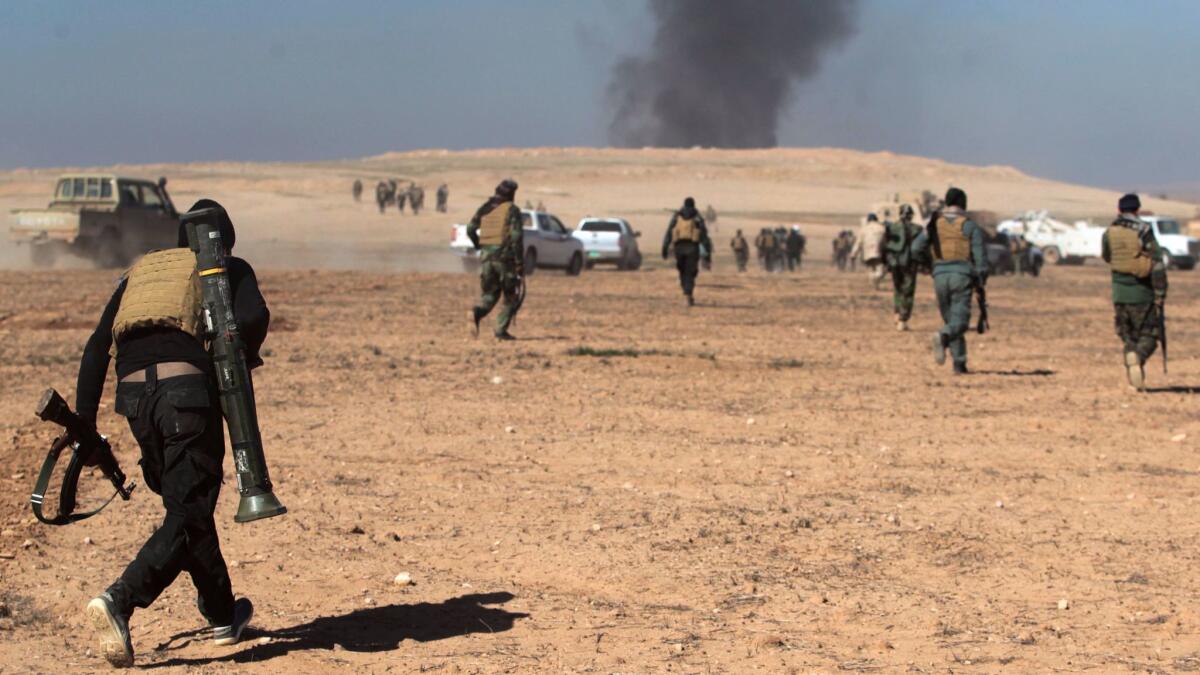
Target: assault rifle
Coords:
[[88, 447], [982, 326], [1162, 333]]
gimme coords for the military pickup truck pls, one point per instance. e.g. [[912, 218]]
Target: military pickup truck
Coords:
[[104, 218]]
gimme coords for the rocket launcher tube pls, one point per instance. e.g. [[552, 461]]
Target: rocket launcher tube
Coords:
[[233, 376]]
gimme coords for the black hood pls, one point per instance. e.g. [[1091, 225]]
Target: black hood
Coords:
[[224, 224], [689, 208]]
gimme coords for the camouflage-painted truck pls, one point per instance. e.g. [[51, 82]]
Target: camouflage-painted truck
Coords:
[[107, 219]]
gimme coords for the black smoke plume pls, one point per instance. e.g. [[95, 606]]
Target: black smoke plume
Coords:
[[720, 72]]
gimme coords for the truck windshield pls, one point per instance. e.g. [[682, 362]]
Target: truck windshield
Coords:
[[601, 226], [1168, 227]]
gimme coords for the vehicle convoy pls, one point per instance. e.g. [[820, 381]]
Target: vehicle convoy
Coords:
[[1073, 244], [548, 244], [105, 218], [609, 240]]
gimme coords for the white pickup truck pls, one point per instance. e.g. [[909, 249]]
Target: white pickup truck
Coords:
[[609, 240], [547, 244], [1063, 243]]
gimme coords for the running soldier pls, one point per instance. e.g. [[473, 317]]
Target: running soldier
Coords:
[[902, 265], [496, 232], [1139, 286]]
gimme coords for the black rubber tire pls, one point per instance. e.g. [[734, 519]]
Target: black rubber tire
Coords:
[[530, 262], [576, 265], [1052, 255]]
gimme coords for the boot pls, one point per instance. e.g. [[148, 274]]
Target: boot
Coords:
[[113, 630], [939, 349], [476, 316], [1134, 371], [961, 368], [690, 300]]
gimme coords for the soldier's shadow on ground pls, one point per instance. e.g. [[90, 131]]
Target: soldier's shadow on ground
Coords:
[[374, 629], [1177, 389], [1017, 372]]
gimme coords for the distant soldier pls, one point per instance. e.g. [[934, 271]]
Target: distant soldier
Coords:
[[710, 215], [496, 232], [795, 248], [847, 247], [357, 190], [760, 248], [769, 242], [840, 250], [1139, 286], [869, 246], [903, 266], [688, 235], [443, 197], [959, 264], [541, 208], [401, 199], [528, 205], [393, 189], [416, 197], [741, 250], [381, 195]]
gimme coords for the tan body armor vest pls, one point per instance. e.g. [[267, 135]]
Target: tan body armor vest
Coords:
[[739, 244], [686, 229], [161, 289], [493, 226], [1125, 252], [955, 246]]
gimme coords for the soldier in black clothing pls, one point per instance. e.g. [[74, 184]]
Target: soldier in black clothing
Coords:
[[167, 390], [688, 235]]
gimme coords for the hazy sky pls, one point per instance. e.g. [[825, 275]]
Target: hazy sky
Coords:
[[1098, 91]]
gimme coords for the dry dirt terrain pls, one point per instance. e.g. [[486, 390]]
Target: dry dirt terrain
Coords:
[[774, 480]]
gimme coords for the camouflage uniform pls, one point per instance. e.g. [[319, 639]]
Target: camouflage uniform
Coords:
[[443, 196], [357, 190], [902, 265], [416, 198], [741, 251], [501, 264], [959, 263], [1137, 294], [795, 248]]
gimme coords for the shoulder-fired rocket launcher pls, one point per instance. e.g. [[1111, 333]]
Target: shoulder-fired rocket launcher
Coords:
[[233, 376]]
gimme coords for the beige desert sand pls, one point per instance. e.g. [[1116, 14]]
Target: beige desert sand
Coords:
[[774, 480]]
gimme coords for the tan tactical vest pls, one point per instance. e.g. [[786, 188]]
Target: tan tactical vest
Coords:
[[1125, 252], [161, 289], [493, 227], [686, 229], [953, 243], [739, 244]]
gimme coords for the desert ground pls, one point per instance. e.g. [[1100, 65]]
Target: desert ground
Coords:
[[774, 480]]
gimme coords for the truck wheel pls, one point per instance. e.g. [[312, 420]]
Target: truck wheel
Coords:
[[576, 265], [530, 262], [1052, 255], [635, 262], [109, 252], [43, 255]]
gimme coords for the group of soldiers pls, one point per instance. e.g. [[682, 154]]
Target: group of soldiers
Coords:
[[388, 192], [777, 249]]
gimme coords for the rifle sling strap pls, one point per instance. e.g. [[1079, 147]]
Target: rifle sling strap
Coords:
[[66, 495]]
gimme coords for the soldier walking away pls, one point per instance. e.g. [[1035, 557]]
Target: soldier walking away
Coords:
[[357, 190], [741, 250], [869, 246], [496, 232], [688, 235], [780, 248], [841, 250], [959, 264], [795, 248], [1139, 286], [710, 218], [167, 389], [381, 195], [400, 198], [903, 266], [416, 197], [443, 197]]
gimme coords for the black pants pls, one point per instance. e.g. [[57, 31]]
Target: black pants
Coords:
[[178, 424], [687, 261]]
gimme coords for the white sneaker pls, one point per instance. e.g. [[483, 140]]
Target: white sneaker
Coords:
[[243, 611]]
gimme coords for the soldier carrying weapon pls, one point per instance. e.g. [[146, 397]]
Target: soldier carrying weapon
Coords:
[[168, 390], [496, 231], [1139, 288]]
